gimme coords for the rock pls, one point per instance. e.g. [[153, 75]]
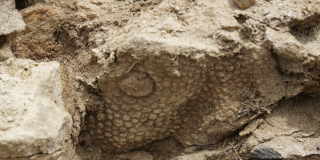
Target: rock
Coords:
[[243, 4], [251, 127], [286, 45], [33, 118], [39, 38], [137, 155], [169, 79], [196, 71], [10, 18], [287, 147], [291, 131]]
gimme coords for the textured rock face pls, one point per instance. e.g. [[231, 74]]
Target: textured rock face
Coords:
[[174, 77], [40, 35], [198, 90], [187, 95], [10, 19], [290, 132], [181, 79], [33, 119]]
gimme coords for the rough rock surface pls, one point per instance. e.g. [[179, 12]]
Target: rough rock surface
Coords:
[[180, 79], [10, 19], [174, 77], [291, 131], [38, 39], [33, 118]]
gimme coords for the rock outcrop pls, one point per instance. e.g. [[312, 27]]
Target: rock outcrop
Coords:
[[168, 79]]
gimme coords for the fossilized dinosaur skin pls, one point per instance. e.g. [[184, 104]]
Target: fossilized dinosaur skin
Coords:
[[177, 94], [170, 79]]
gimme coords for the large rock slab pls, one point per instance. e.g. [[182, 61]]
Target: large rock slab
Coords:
[[10, 19], [33, 119]]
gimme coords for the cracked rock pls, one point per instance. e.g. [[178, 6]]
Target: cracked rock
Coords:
[[10, 19], [33, 118], [291, 131]]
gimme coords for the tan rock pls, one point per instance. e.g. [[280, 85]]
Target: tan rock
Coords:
[[193, 70], [291, 131], [33, 118], [206, 82], [10, 18]]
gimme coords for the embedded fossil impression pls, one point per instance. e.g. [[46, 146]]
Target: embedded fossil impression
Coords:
[[172, 94], [171, 79]]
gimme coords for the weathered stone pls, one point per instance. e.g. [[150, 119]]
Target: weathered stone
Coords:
[[203, 88], [287, 147], [33, 118], [291, 131], [10, 18]]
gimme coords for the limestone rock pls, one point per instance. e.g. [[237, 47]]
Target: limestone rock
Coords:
[[33, 119], [38, 40], [286, 45], [291, 131], [10, 18], [243, 4], [287, 147]]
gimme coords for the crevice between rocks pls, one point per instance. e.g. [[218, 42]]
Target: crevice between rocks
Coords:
[[21, 4], [2, 40]]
